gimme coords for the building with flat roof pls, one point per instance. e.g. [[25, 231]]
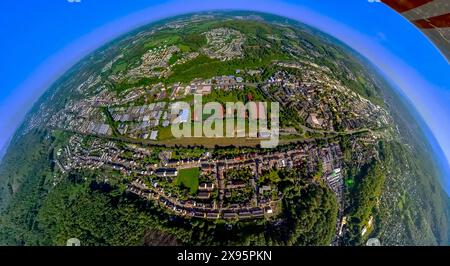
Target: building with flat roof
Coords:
[[154, 135]]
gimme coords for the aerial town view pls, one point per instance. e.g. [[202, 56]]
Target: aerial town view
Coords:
[[109, 170]]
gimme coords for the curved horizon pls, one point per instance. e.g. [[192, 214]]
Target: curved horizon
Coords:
[[432, 109]]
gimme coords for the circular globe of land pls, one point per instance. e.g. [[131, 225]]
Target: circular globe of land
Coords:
[[162, 136]]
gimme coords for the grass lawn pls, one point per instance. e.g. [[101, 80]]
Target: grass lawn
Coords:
[[188, 178]]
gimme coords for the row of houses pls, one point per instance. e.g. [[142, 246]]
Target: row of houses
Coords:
[[139, 188]]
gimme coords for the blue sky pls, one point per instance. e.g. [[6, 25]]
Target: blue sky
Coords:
[[39, 40]]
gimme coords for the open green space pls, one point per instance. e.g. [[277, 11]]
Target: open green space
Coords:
[[188, 178]]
